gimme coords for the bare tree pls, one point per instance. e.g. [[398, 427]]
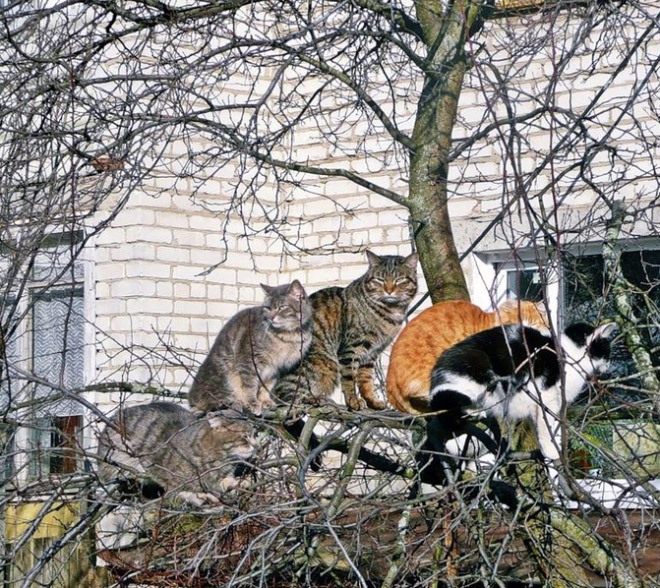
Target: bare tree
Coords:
[[101, 98]]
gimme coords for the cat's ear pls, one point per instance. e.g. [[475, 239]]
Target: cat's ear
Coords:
[[267, 289], [296, 290], [372, 258], [604, 331], [411, 261]]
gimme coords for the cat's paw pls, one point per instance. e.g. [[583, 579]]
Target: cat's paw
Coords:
[[266, 404], [376, 404], [199, 499], [228, 483], [356, 403], [254, 409]]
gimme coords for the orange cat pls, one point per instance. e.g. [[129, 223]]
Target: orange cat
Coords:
[[436, 329]]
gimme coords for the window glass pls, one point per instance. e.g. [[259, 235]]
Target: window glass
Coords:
[[7, 435], [524, 285], [58, 347], [64, 444], [54, 260], [587, 297], [49, 343], [55, 445], [55, 263]]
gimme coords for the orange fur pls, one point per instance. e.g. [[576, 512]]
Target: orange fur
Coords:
[[433, 331]]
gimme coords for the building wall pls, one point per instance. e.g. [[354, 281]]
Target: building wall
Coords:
[[175, 264], [178, 260]]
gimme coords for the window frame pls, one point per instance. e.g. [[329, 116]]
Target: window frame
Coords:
[[491, 269], [22, 464], [490, 292]]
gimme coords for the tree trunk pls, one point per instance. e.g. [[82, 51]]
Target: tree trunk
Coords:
[[445, 34], [554, 553], [559, 541]]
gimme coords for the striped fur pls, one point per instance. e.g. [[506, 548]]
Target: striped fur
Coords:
[[166, 443], [252, 350], [350, 327]]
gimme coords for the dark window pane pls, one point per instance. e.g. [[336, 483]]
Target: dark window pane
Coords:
[[55, 445], [7, 434], [588, 298], [524, 285], [583, 288], [64, 436]]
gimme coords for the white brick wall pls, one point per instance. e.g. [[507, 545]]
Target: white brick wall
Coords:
[[151, 263]]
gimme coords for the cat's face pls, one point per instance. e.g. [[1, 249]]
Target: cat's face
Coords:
[[391, 279], [234, 433], [592, 341], [287, 307]]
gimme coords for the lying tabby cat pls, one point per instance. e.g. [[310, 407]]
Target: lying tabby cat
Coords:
[[351, 327], [169, 445]]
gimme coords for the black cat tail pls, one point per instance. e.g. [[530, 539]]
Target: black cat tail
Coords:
[[295, 429], [450, 406], [433, 465]]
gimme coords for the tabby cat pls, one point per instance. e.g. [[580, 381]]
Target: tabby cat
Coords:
[[169, 445], [433, 331], [252, 350], [351, 327]]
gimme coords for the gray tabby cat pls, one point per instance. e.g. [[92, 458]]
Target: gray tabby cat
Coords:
[[168, 444], [253, 349], [351, 327]]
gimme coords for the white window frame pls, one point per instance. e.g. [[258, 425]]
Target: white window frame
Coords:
[[489, 287], [24, 436]]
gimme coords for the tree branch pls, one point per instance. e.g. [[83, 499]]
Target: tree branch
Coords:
[[304, 168], [402, 19], [625, 318], [396, 134]]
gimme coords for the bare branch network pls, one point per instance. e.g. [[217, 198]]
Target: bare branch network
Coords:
[[161, 159]]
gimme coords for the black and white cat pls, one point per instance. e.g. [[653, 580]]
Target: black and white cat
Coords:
[[514, 372]]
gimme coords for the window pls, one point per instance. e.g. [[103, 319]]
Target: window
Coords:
[[587, 297], [58, 343], [46, 337], [524, 284], [580, 293], [6, 453], [519, 279], [584, 284], [56, 441]]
